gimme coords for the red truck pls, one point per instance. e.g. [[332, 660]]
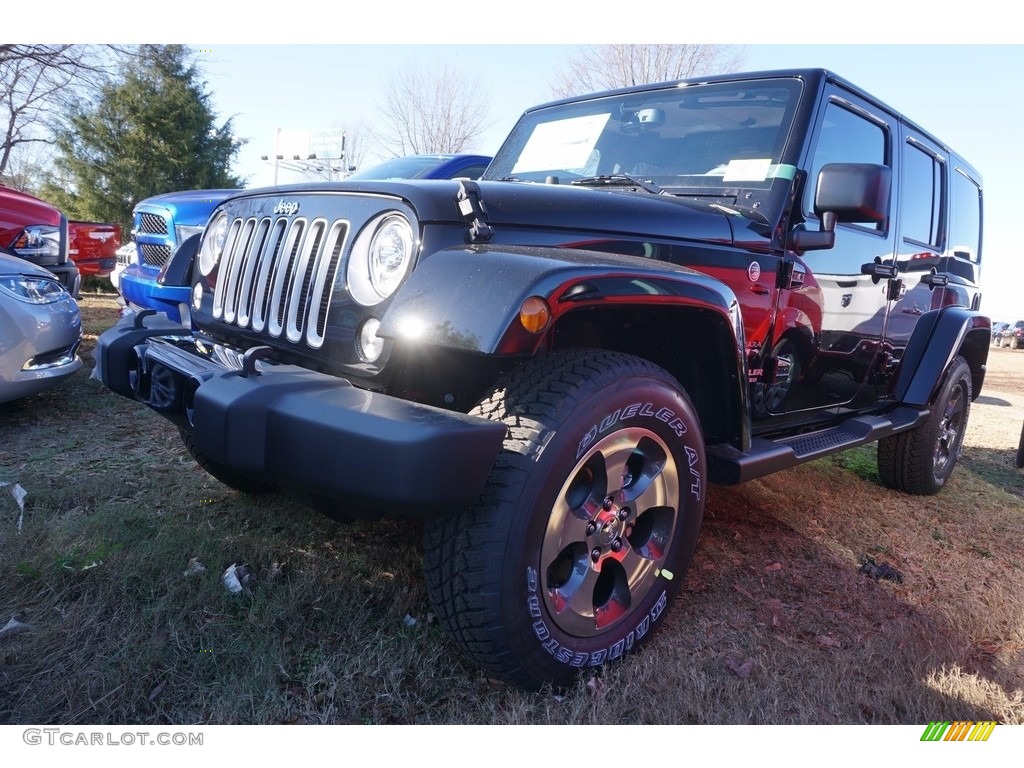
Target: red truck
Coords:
[[37, 232], [93, 247]]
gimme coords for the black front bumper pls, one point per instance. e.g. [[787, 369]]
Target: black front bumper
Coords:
[[309, 433]]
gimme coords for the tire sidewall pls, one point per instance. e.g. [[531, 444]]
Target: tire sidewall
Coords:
[[959, 375], [649, 402]]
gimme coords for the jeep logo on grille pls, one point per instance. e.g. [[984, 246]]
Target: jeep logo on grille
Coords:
[[286, 208]]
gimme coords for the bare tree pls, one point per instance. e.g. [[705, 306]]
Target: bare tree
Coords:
[[432, 109], [600, 67], [38, 86]]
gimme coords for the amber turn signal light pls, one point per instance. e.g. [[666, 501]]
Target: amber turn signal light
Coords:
[[535, 314]]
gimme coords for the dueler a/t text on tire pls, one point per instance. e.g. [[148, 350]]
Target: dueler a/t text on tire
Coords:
[[589, 520], [921, 460]]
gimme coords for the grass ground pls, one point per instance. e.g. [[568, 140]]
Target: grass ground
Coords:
[[775, 623]]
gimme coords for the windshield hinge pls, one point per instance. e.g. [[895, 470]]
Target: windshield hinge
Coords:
[[473, 210]]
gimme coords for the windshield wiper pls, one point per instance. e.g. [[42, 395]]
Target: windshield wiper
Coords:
[[618, 180]]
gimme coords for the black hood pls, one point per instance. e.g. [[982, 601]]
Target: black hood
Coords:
[[519, 206]]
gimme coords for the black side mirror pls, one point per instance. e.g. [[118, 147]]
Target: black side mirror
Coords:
[[847, 192]]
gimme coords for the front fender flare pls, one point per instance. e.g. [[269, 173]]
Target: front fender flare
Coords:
[[469, 298]]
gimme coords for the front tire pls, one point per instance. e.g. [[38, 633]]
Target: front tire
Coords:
[[920, 461], [589, 520]]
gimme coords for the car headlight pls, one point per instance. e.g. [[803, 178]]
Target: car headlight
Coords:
[[184, 231], [214, 237], [381, 256], [38, 240], [33, 290]]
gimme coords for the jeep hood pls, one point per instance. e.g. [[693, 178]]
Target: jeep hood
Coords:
[[588, 211]]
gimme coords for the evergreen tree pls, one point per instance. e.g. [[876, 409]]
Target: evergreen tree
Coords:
[[151, 131]]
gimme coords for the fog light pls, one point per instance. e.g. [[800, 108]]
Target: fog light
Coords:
[[197, 295], [370, 345]]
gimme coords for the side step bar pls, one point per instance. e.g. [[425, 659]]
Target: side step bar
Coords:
[[729, 466]]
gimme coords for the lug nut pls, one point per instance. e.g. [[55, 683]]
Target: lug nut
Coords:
[[623, 513], [595, 554], [591, 527], [616, 545], [607, 503]]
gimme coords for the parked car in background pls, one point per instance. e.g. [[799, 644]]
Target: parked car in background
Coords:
[[1013, 337], [159, 225], [425, 167], [997, 331], [37, 232], [40, 330], [93, 247]]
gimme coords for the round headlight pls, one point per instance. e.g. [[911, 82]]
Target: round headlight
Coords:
[[390, 254], [381, 257], [213, 244]]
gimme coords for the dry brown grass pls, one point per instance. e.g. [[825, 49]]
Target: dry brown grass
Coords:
[[775, 623]]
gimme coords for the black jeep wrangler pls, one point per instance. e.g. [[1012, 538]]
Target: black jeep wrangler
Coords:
[[649, 290]]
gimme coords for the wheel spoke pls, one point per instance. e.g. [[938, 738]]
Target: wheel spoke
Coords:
[[573, 602]]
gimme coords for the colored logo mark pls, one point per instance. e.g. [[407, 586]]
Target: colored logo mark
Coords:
[[959, 730]]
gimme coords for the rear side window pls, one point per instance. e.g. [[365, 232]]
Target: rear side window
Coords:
[[922, 197], [965, 218]]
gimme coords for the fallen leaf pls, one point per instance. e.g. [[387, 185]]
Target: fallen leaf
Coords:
[[155, 693], [740, 669], [742, 591], [14, 627], [773, 567], [596, 686], [827, 641], [194, 568]]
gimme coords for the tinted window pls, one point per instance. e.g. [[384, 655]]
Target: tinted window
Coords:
[[922, 196], [845, 137], [965, 218]]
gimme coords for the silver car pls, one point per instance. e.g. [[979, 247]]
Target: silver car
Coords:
[[40, 330]]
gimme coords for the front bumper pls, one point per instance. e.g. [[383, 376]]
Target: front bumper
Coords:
[[144, 292], [311, 434]]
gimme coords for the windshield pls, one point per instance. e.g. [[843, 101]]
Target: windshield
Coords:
[[714, 135]]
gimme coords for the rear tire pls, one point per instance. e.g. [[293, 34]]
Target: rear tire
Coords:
[[589, 520], [921, 460], [224, 474]]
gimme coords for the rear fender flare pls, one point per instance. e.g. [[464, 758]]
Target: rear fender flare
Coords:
[[941, 335]]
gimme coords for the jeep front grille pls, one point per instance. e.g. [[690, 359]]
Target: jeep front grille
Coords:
[[154, 255], [276, 276], [153, 224]]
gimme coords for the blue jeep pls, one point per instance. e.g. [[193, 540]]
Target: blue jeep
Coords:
[[159, 225]]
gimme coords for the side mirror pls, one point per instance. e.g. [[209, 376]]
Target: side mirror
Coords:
[[856, 193]]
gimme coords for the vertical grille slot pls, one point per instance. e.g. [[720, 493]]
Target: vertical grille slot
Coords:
[[262, 284], [238, 265], [224, 270], [323, 283], [256, 256], [301, 277], [282, 275]]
